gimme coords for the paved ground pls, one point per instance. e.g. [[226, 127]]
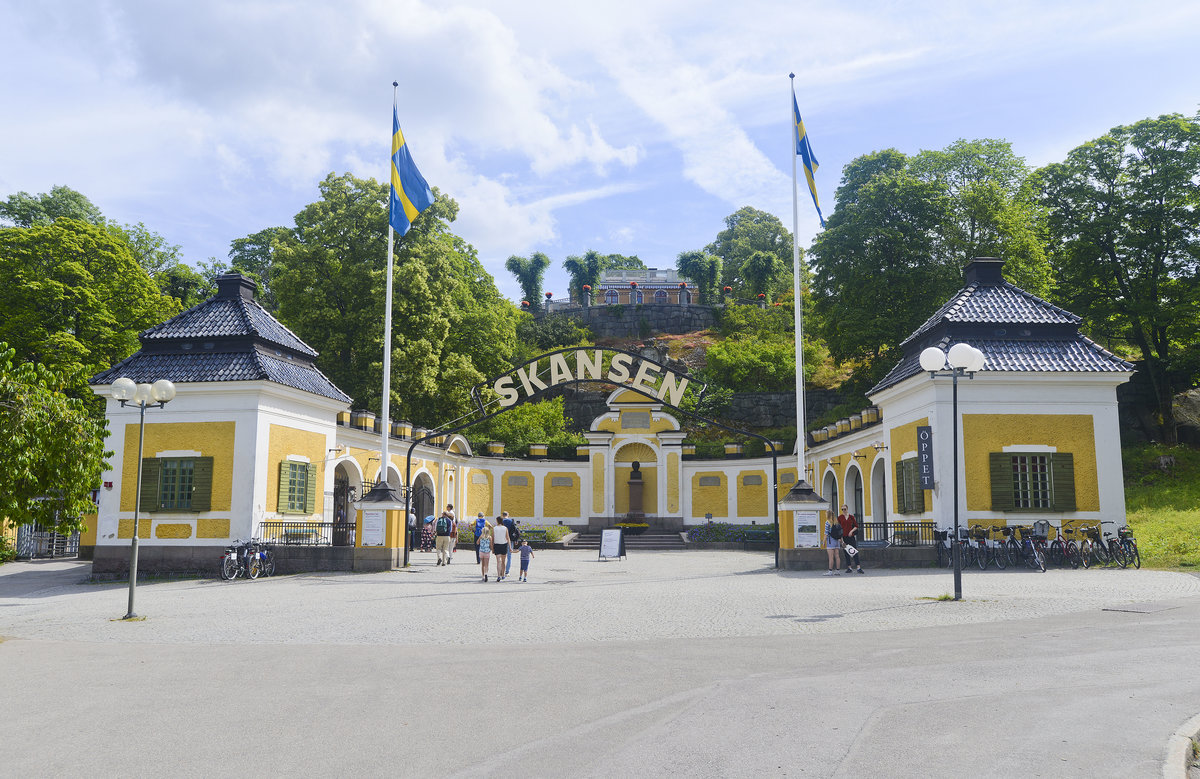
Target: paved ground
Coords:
[[703, 663]]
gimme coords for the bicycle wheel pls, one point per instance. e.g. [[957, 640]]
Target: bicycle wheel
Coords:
[[255, 567], [269, 564], [1000, 557], [1117, 552], [941, 554], [981, 557], [1086, 558], [1012, 550], [1133, 554], [229, 568], [1100, 553], [1073, 555], [1056, 553], [1038, 560]]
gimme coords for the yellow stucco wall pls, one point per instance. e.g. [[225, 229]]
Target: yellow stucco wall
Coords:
[[597, 482], [212, 528], [752, 498], [125, 528], [283, 441], [172, 530], [479, 496], [786, 533], [211, 439], [561, 501], [649, 489], [900, 440], [710, 499], [986, 433], [517, 500], [87, 536], [672, 482]]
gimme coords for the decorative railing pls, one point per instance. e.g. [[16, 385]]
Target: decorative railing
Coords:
[[897, 533], [302, 533]]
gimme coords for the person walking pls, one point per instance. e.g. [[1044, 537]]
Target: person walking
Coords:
[[442, 538], [480, 524], [412, 530], [526, 554], [453, 532], [833, 547], [427, 534], [500, 547], [849, 527], [514, 535], [483, 548]]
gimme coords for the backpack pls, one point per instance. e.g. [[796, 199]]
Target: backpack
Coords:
[[443, 526], [835, 530]]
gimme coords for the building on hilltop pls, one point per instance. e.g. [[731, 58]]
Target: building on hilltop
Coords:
[[652, 286]]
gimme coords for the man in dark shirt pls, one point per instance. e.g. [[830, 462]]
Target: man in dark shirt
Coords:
[[514, 536]]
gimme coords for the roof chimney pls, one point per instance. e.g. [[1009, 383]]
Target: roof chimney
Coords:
[[985, 270], [234, 285]]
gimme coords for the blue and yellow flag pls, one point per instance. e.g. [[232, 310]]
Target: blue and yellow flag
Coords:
[[806, 154], [410, 193]]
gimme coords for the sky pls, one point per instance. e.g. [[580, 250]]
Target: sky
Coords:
[[631, 127]]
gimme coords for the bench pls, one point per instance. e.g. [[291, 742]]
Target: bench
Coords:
[[904, 538], [534, 534], [298, 537]]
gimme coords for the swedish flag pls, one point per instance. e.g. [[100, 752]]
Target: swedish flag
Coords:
[[806, 154], [410, 193]]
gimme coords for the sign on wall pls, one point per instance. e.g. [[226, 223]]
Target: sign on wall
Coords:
[[925, 456], [373, 522], [806, 529]]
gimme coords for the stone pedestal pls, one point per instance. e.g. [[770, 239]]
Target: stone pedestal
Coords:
[[635, 496]]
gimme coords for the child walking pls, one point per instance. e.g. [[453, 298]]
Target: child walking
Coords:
[[526, 553]]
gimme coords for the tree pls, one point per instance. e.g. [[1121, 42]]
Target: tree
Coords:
[[748, 231], [993, 212], [26, 210], [450, 326], [1124, 224], [74, 299], [621, 262], [52, 451], [704, 270], [253, 256], [881, 265], [583, 271], [760, 272], [529, 274]]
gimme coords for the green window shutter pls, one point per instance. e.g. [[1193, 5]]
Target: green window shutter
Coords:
[[310, 499], [202, 476], [1062, 471], [917, 505], [148, 500], [901, 502], [285, 479], [1002, 481]]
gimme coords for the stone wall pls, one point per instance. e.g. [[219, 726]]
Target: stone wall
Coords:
[[641, 321]]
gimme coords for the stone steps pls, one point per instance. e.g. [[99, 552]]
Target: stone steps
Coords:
[[644, 541]]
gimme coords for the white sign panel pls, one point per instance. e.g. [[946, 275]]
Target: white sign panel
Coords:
[[610, 542], [806, 527], [373, 522]]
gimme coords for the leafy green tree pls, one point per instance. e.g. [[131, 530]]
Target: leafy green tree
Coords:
[[52, 451], [74, 298], [583, 271], [542, 334], [881, 265], [529, 273], [1124, 224], [185, 284], [704, 270], [993, 212], [761, 271], [538, 422], [747, 231], [149, 249], [26, 210], [450, 326], [621, 262], [253, 256]]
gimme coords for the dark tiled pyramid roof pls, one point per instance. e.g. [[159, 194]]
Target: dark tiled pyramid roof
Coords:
[[224, 317], [229, 337], [1015, 330]]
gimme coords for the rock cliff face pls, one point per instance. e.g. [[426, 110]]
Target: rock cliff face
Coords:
[[642, 321]]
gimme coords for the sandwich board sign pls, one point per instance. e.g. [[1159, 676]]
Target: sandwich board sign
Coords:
[[612, 543]]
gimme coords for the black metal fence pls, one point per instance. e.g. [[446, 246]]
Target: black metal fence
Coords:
[[899, 533], [302, 533]]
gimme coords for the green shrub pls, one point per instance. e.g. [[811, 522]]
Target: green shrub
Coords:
[[1163, 508], [727, 532], [8, 552]]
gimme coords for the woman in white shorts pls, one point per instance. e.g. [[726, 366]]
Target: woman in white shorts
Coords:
[[500, 547]]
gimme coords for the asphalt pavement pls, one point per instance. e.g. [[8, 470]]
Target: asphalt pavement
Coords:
[[699, 664]]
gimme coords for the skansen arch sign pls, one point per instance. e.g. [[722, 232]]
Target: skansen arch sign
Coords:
[[572, 366]]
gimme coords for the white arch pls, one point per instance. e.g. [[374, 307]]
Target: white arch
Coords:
[[853, 498], [879, 490]]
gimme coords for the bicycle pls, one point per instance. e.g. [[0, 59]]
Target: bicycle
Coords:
[[1089, 543], [985, 553], [1031, 552], [1068, 548], [1129, 545], [945, 553], [1113, 547], [241, 558], [1010, 546]]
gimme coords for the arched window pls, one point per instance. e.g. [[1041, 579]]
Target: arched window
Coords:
[[660, 296], [611, 297], [637, 296]]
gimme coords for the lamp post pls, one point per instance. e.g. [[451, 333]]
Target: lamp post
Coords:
[[127, 392], [962, 360]]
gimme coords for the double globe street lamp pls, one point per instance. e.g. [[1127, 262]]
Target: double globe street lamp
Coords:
[[961, 360], [128, 392]]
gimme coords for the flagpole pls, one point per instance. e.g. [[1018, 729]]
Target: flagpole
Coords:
[[385, 409], [800, 436]]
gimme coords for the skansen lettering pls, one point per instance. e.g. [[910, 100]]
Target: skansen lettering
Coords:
[[649, 377]]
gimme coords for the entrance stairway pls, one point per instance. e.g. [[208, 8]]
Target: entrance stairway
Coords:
[[656, 540]]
